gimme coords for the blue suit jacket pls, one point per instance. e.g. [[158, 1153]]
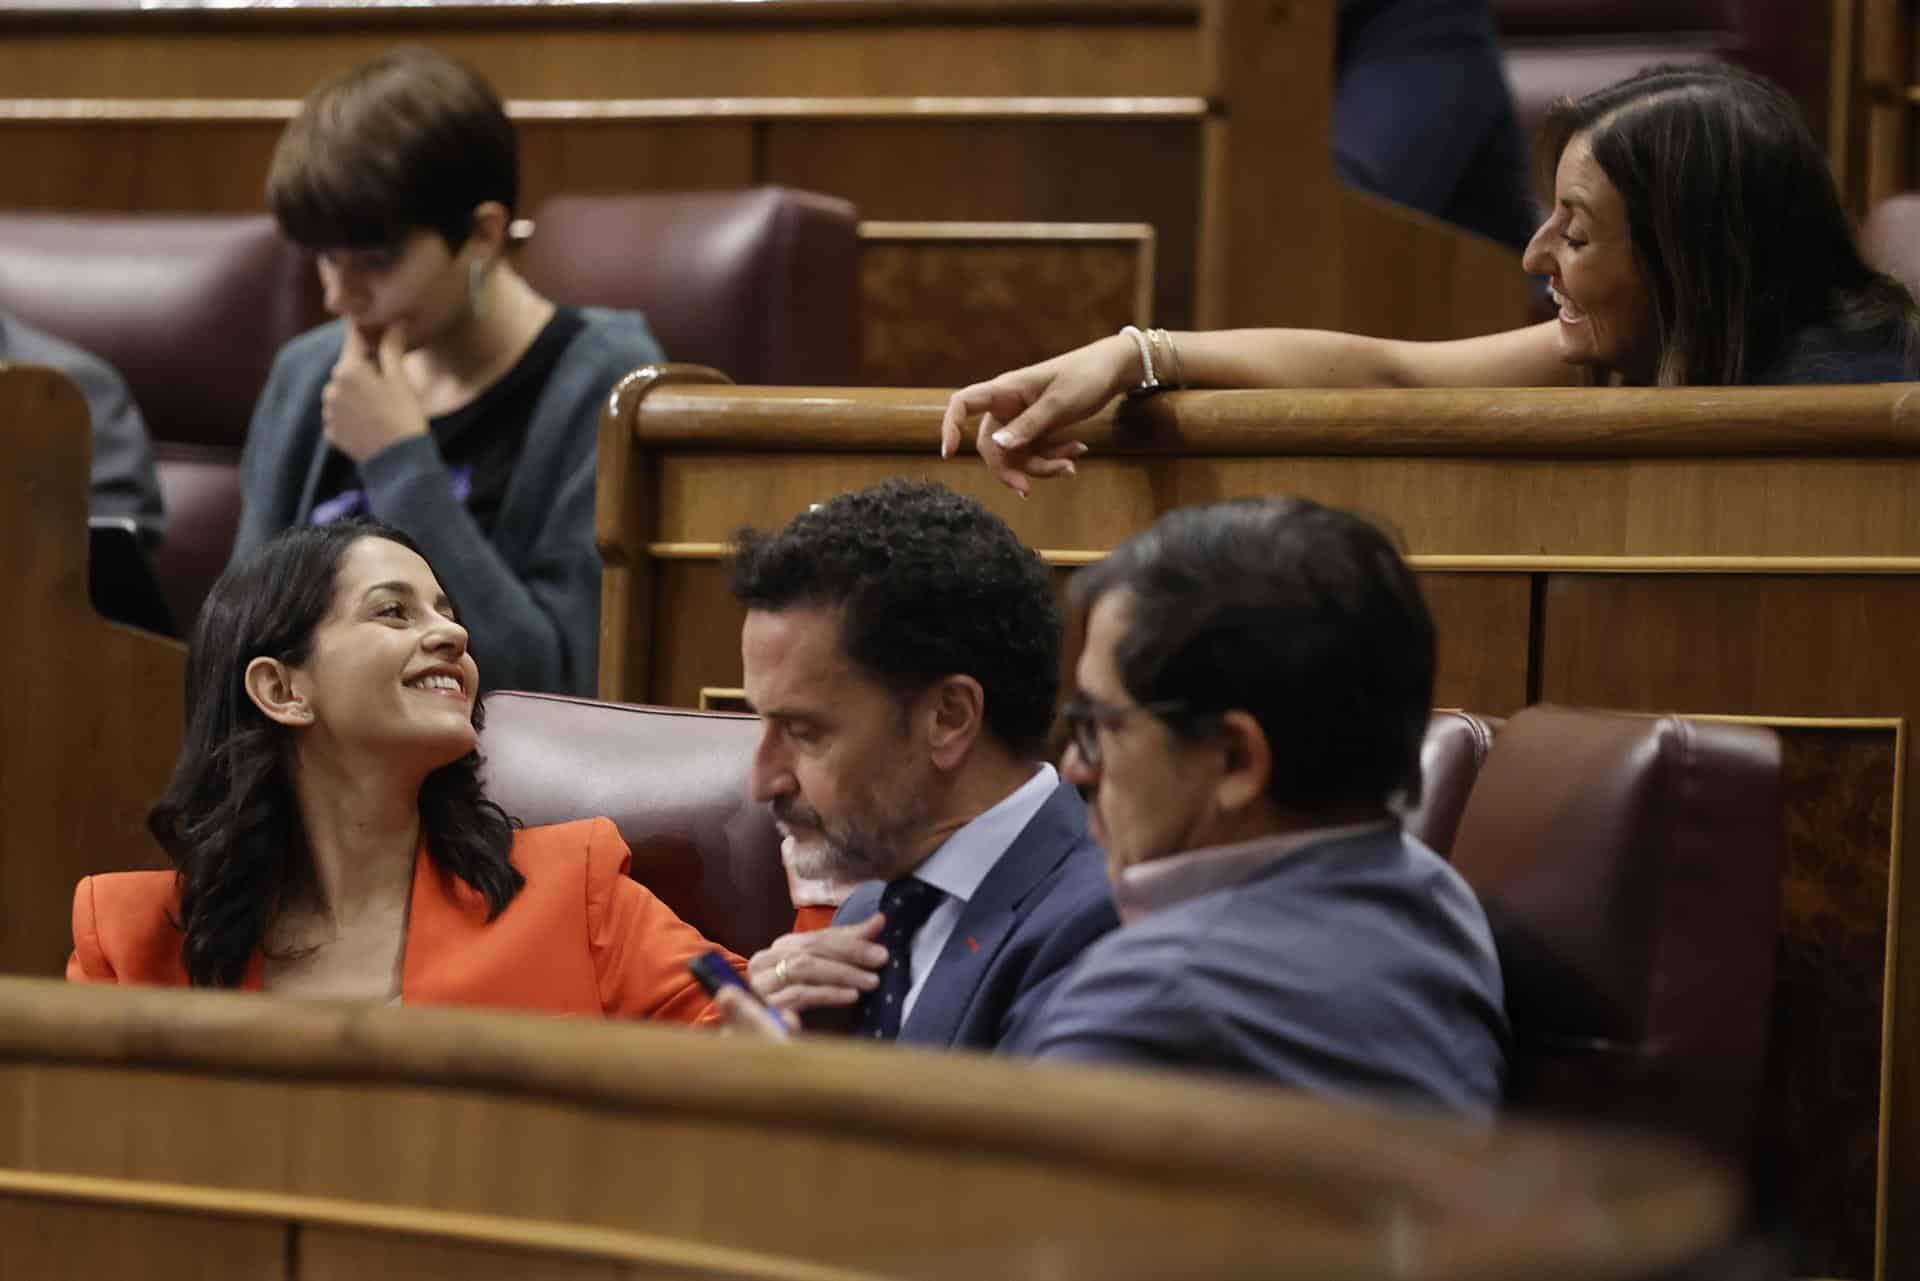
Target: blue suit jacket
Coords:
[[1037, 910]]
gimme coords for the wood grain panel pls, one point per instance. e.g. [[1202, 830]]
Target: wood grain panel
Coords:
[[40, 1238], [1792, 646], [1483, 623], [157, 167], [628, 58], [936, 312], [1115, 171], [220, 166], [1441, 506], [344, 1254], [90, 711], [1821, 1156]]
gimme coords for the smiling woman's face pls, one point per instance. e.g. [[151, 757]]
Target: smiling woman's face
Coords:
[[1585, 250], [389, 670]]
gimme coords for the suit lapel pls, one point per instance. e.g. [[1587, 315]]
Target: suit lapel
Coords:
[[441, 924], [991, 916]]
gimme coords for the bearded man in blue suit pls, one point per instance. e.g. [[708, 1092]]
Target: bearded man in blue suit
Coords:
[[902, 649]]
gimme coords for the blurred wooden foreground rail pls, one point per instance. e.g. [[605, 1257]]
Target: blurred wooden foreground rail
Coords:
[[1738, 552], [147, 1134]]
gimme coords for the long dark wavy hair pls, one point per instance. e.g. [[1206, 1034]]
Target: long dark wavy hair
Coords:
[[1738, 228], [228, 819]]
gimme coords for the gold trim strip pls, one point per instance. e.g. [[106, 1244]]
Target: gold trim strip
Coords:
[[1499, 564], [523, 1234], [280, 110]]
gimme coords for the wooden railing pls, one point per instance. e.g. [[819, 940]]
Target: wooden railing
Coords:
[[148, 1133]]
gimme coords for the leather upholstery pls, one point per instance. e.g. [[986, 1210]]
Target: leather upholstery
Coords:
[[1630, 866], [1890, 238], [1455, 748], [759, 284], [676, 785], [190, 311]]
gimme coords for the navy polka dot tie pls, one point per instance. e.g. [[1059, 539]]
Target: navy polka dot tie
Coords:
[[906, 903]]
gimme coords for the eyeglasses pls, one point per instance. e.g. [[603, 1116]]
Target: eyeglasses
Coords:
[[1086, 716]]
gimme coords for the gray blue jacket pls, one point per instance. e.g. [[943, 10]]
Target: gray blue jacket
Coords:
[[531, 593], [1358, 967]]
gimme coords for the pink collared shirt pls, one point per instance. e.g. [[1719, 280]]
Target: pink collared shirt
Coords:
[[1148, 887]]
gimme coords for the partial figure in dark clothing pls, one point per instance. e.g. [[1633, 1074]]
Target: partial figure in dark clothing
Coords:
[[1422, 114], [122, 482]]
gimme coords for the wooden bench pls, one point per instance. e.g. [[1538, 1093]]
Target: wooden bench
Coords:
[[1743, 553]]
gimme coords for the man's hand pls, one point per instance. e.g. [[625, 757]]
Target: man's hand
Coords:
[[829, 967], [368, 404]]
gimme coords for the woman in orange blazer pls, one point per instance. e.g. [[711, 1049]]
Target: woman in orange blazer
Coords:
[[328, 829]]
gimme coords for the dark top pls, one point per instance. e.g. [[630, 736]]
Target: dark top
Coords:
[[481, 441], [1829, 354], [1422, 114]]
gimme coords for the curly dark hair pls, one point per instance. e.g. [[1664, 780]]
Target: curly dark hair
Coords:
[[228, 819], [1305, 617], [930, 584]]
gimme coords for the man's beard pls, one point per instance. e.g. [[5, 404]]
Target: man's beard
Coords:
[[869, 846]]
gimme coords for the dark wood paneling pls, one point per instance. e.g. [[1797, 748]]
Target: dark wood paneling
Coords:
[[939, 314], [1482, 621], [972, 171], [213, 166], [137, 166], [1820, 1148], [48, 1238]]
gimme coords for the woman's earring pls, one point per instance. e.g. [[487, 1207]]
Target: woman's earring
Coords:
[[476, 288]]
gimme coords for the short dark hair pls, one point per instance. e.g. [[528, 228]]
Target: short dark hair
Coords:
[[1736, 223], [412, 139], [228, 819], [929, 584], [1305, 617]]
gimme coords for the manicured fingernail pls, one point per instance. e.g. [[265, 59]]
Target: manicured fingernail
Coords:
[[1003, 438], [1071, 469]]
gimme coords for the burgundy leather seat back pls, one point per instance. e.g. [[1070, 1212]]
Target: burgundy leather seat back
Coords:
[[190, 310], [674, 782], [757, 283], [1455, 748], [1631, 868]]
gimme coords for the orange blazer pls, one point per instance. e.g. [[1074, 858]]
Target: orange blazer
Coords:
[[581, 937]]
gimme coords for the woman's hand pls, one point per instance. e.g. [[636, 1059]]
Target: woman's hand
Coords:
[[1021, 411], [368, 404]]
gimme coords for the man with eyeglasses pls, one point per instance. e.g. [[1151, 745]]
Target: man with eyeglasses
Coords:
[[1254, 689]]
